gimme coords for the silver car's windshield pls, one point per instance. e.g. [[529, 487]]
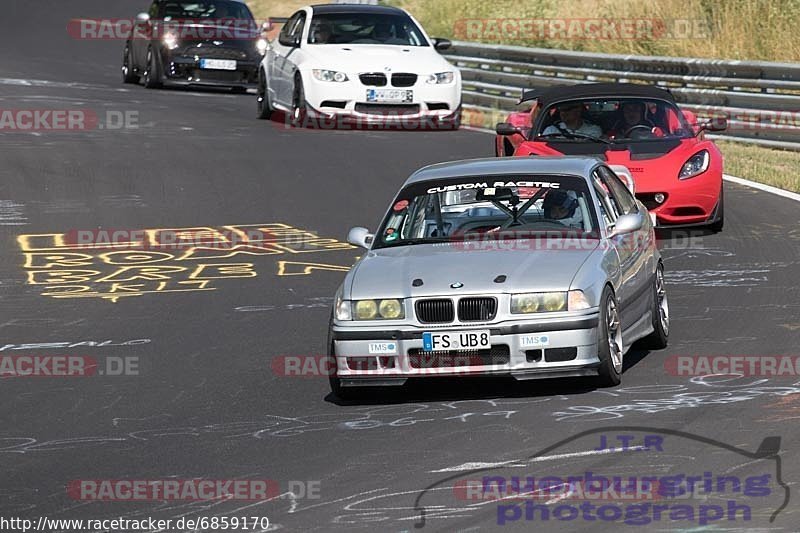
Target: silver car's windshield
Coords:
[[515, 207]]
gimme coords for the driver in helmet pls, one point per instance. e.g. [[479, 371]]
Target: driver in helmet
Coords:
[[561, 206]]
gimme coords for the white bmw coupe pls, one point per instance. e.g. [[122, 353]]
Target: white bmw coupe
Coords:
[[360, 63]]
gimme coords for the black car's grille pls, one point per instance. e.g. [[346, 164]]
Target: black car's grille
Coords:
[[403, 79], [373, 79], [499, 354], [215, 52], [433, 311], [388, 109], [476, 309]]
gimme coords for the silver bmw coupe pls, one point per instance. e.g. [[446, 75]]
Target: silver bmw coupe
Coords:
[[525, 267]]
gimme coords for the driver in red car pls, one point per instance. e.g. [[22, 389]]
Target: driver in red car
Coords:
[[633, 122]]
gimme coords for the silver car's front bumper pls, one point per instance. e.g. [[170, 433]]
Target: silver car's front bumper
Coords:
[[570, 351]]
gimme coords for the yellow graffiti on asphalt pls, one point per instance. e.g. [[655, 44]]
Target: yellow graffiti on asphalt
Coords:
[[115, 264]]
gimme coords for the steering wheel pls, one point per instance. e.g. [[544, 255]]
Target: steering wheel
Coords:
[[636, 127]]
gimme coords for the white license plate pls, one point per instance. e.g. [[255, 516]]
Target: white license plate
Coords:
[[218, 64], [390, 95], [442, 341]]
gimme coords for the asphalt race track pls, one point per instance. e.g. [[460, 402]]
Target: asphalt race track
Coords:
[[208, 399]]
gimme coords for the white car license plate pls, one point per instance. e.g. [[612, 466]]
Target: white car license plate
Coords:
[[218, 64], [442, 341], [390, 95]]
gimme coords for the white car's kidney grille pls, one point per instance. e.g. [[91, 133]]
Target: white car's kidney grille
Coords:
[[373, 79], [438, 310], [404, 79], [477, 309]]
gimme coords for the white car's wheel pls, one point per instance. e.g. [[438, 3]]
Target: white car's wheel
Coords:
[[264, 104]]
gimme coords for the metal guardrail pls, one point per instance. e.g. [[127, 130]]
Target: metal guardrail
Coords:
[[761, 100]]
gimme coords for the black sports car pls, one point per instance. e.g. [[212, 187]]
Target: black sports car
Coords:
[[194, 42]]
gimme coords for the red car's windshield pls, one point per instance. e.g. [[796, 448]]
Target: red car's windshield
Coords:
[[614, 120]]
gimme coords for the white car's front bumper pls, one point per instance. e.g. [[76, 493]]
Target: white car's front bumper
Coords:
[[349, 100]]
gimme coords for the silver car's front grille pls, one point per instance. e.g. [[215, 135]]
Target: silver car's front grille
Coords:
[[435, 310], [477, 309]]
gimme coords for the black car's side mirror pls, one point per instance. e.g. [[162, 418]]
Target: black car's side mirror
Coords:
[[442, 44], [506, 128]]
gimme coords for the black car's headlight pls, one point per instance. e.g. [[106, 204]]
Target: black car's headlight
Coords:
[[695, 165], [548, 302], [329, 75], [261, 46], [170, 40], [385, 309]]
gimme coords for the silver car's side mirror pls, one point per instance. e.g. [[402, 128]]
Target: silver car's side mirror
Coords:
[[628, 224], [142, 18], [359, 236]]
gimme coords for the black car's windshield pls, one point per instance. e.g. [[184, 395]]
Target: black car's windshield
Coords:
[[365, 28], [486, 207], [205, 10], [612, 120]]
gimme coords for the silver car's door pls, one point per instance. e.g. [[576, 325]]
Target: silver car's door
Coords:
[[634, 249]]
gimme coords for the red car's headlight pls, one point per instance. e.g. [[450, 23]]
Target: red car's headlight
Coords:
[[695, 165]]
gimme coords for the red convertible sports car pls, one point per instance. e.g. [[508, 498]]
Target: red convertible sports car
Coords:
[[640, 132]]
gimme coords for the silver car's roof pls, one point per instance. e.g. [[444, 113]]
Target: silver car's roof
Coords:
[[567, 165]]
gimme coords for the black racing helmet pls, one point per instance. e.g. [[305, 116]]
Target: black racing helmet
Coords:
[[559, 198]]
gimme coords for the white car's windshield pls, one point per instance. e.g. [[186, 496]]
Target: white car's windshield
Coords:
[[365, 28], [516, 207]]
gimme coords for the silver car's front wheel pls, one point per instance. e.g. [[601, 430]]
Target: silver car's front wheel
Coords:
[[609, 341], [658, 339]]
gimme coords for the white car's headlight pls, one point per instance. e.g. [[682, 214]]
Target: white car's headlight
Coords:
[[696, 165], [548, 302], [329, 75], [170, 40], [386, 309], [261, 46], [440, 78]]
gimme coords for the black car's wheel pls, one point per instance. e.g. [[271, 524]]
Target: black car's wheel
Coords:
[[659, 338], [128, 70], [299, 106], [719, 219], [263, 102], [609, 341], [152, 76]]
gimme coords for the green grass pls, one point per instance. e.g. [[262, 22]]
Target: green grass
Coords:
[[773, 167]]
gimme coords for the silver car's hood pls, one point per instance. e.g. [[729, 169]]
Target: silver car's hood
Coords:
[[389, 272]]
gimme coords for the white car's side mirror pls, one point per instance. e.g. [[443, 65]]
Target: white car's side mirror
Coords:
[[628, 224], [359, 236]]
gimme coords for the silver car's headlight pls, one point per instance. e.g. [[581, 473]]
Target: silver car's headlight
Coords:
[[548, 302], [341, 307], [329, 75], [697, 164], [386, 309], [440, 78]]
